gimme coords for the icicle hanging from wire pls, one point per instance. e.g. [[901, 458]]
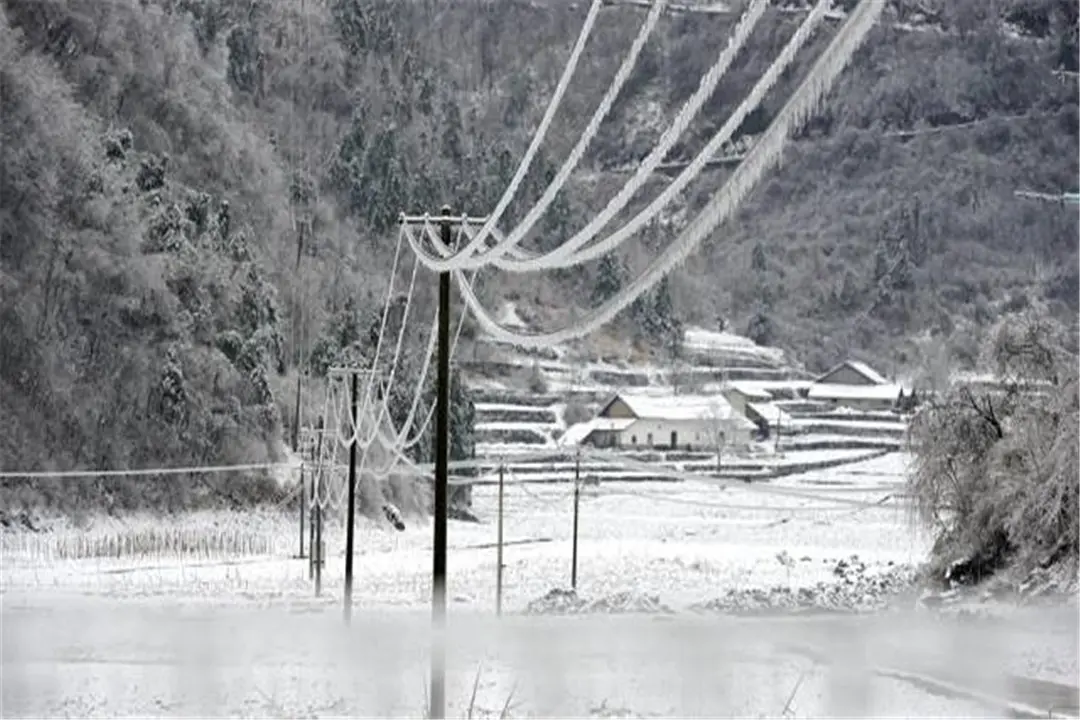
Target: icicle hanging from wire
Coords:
[[565, 255], [560, 256], [516, 235], [765, 154]]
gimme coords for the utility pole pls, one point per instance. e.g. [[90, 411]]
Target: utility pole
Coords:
[[318, 552], [351, 512], [303, 508], [311, 520], [499, 552], [296, 448], [442, 472], [437, 709], [316, 511], [577, 500]]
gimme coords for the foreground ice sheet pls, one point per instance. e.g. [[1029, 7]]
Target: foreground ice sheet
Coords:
[[86, 656]]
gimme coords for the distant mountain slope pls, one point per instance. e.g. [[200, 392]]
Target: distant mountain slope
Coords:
[[145, 322]]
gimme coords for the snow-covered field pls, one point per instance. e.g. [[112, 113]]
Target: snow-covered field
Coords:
[[235, 629], [684, 541]]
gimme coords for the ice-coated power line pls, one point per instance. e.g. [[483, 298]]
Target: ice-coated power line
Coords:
[[571, 252], [436, 263], [763, 156]]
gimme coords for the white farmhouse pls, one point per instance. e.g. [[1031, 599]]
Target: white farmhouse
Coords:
[[697, 422]]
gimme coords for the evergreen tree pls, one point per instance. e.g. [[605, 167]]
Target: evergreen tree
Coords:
[[881, 262], [245, 64], [902, 277], [452, 131], [757, 258], [609, 279], [667, 327], [462, 437], [760, 328], [640, 310], [846, 296], [918, 243], [462, 419], [557, 220]]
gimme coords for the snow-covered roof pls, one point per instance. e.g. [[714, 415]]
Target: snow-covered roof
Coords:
[[771, 386], [750, 391], [676, 407], [830, 391], [770, 413], [681, 407], [867, 372], [576, 434], [860, 367]]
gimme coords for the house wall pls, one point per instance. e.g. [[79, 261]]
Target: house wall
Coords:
[[696, 434], [845, 375], [865, 403], [604, 438]]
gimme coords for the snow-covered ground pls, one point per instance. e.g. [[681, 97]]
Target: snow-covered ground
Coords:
[[713, 342], [640, 536], [94, 659], [236, 629]]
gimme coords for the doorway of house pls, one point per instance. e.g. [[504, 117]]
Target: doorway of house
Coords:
[[674, 439]]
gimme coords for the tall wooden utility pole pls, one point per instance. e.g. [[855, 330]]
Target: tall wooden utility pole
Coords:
[[437, 709], [351, 511], [442, 472]]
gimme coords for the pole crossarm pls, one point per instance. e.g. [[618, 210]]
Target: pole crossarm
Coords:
[[717, 8], [467, 220]]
